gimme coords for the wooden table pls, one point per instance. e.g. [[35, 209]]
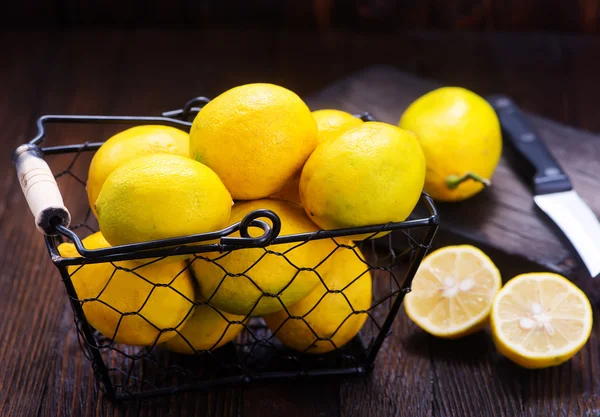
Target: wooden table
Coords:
[[41, 368]]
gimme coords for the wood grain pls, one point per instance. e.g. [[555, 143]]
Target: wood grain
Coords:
[[23, 387], [42, 371], [402, 382]]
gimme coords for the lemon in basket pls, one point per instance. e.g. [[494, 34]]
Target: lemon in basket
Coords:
[[330, 124], [161, 196], [128, 144], [257, 281], [371, 174], [460, 135], [453, 291], [291, 191], [540, 320], [335, 311], [131, 304], [208, 329], [255, 137]]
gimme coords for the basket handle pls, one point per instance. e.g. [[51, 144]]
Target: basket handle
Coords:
[[40, 189]]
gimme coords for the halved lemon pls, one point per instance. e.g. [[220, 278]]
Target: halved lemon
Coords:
[[540, 320], [453, 291]]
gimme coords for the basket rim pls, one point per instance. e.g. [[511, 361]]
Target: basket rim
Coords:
[[192, 244]]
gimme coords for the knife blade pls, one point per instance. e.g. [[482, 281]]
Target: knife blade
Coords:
[[553, 192]]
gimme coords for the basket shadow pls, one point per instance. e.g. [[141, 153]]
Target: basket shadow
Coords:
[[541, 384], [474, 347], [476, 353]]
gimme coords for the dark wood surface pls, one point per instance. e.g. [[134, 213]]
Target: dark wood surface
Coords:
[[41, 368]]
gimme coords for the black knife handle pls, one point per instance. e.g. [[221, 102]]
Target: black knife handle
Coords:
[[537, 163]]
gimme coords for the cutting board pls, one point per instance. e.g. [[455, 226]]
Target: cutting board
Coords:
[[503, 218]]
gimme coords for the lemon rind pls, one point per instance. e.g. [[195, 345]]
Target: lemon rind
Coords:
[[518, 349], [475, 321]]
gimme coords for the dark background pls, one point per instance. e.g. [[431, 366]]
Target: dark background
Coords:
[[545, 53], [577, 16]]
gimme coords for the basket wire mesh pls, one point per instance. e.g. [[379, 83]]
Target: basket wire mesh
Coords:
[[127, 372]]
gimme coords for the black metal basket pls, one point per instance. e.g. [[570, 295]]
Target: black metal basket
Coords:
[[135, 372]]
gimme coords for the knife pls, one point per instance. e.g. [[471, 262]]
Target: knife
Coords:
[[552, 190]]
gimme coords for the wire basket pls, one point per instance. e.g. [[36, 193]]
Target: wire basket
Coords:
[[126, 372]]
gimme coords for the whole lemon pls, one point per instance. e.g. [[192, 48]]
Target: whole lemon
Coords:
[[332, 123], [256, 281], [126, 145], [461, 138], [208, 329], [291, 190], [132, 304], [161, 196], [255, 137], [335, 311], [372, 174]]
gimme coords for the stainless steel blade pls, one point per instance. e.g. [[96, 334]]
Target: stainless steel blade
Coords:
[[577, 222]]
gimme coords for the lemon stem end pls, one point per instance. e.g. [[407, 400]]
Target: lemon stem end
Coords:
[[453, 181]]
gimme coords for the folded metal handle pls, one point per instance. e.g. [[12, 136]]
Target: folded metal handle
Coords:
[[40, 189]]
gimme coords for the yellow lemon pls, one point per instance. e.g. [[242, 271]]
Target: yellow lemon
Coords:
[[453, 291], [332, 123], [208, 329], [291, 191], [257, 281], [131, 304], [255, 137], [126, 145], [540, 320], [161, 196], [333, 313], [460, 135], [372, 174]]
